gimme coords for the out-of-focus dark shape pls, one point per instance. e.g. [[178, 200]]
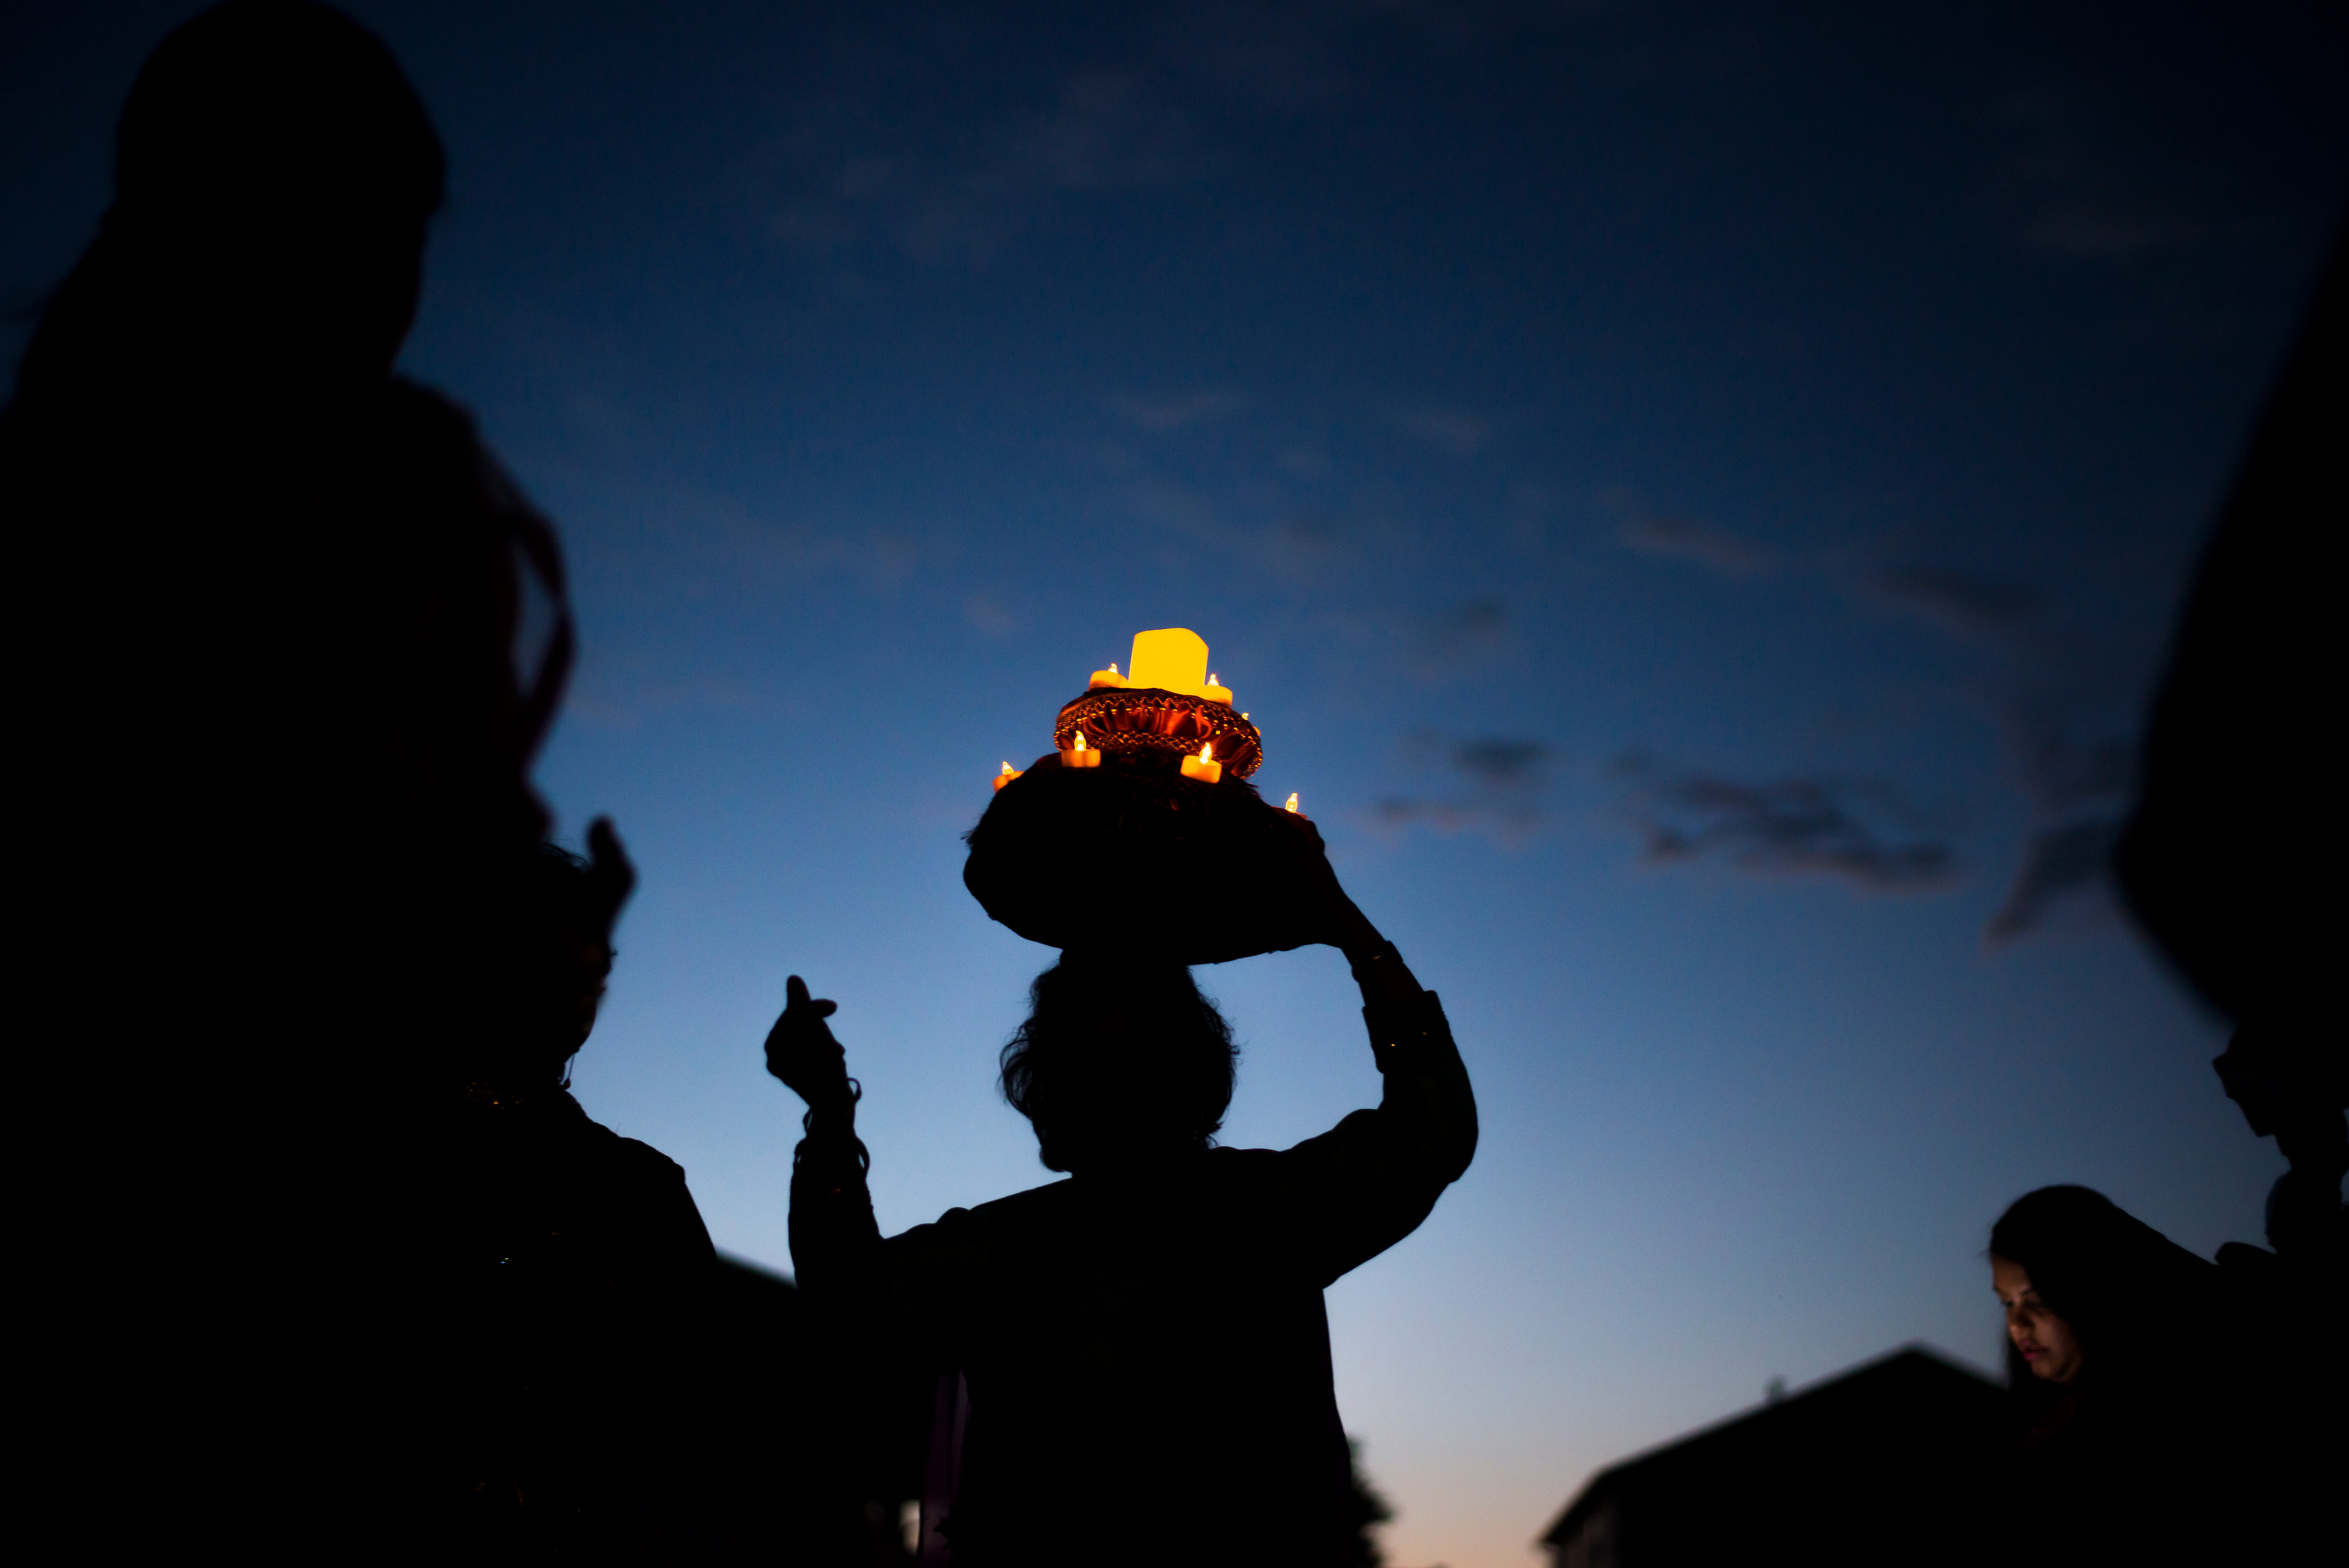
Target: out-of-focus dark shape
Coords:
[[286, 639], [2228, 864], [797, 1445], [1888, 1462], [570, 1282], [2228, 861], [1367, 1508]]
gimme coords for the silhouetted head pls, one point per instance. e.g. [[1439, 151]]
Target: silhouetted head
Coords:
[[1121, 1063], [2091, 1293], [273, 176], [548, 976]]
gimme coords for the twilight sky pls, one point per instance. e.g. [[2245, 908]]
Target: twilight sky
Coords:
[[1692, 493]]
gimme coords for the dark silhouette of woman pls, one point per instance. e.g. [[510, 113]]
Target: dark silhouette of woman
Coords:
[[2128, 1378], [285, 638], [1145, 1344]]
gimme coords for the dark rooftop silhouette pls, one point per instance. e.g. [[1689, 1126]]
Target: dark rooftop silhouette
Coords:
[[1886, 1462]]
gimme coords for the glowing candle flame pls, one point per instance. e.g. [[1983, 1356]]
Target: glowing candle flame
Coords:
[[1292, 801], [1212, 680], [1112, 667], [1008, 767], [1207, 752], [1081, 742]]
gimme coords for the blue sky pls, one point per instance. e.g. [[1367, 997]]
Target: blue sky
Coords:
[[1692, 494]]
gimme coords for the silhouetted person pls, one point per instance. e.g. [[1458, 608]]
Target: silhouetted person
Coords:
[[2127, 1381], [2238, 755], [1145, 1344], [2217, 865], [286, 639], [578, 1279]]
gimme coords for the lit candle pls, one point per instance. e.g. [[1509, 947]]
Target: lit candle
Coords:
[[1203, 766], [1108, 677], [1080, 755], [1292, 803], [1214, 693], [1007, 776]]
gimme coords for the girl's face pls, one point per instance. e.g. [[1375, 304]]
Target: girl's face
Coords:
[[2044, 1341]]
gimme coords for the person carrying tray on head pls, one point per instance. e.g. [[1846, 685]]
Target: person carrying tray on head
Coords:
[[1145, 1344]]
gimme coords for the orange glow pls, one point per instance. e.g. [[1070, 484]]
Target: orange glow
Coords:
[[1292, 802], [1081, 741], [1207, 752]]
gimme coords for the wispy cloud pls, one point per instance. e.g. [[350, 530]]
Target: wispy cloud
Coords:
[[2067, 859], [2089, 190], [1454, 642], [1179, 410], [1962, 603], [1454, 432], [2079, 789], [1496, 786], [1857, 831], [1678, 539], [988, 615], [1500, 763], [1300, 546], [865, 184]]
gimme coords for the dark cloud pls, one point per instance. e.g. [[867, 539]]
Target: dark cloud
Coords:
[[868, 182], [1512, 822], [1501, 763], [1502, 782], [1451, 641], [1302, 547], [987, 613], [1677, 538], [1959, 602], [2079, 788], [2063, 774], [2090, 185], [2067, 859], [1783, 827], [1452, 431]]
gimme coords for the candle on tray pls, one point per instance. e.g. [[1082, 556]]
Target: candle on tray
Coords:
[[1203, 766], [1007, 776], [1108, 677], [1079, 755]]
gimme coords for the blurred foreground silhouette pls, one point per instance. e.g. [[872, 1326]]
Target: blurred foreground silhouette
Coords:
[[2220, 866], [291, 639]]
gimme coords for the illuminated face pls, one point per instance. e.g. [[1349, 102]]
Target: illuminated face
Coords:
[[2045, 1342]]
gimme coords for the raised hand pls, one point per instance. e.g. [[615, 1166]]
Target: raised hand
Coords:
[[611, 876], [802, 1052]]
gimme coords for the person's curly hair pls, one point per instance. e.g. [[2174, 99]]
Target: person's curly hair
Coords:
[[1119, 1055]]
